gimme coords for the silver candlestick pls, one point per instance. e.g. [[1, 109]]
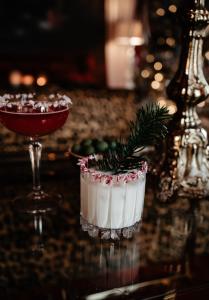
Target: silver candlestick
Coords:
[[186, 168]]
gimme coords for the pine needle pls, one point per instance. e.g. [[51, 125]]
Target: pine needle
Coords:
[[148, 129]]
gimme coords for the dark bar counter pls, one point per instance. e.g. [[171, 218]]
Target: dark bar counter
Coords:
[[50, 257]]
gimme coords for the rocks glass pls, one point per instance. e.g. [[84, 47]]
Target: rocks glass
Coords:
[[111, 205]]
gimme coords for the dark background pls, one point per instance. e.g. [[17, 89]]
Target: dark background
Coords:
[[64, 40], [60, 38]]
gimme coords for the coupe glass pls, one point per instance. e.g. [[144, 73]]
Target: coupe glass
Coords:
[[34, 116]]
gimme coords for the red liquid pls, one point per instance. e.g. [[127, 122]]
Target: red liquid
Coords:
[[34, 123]]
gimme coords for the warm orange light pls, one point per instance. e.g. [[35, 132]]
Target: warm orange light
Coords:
[[161, 101], [172, 8], [158, 66], [160, 12], [41, 80], [15, 78], [145, 73], [150, 58], [159, 77], [155, 85], [27, 80], [51, 156], [172, 108], [170, 41], [129, 33]]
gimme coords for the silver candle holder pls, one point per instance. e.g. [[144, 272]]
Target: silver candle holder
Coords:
[[186, 167]]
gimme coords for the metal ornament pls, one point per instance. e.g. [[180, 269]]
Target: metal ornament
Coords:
[[186, 167]]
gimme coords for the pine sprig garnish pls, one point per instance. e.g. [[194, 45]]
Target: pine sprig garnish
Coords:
[[148, 129]]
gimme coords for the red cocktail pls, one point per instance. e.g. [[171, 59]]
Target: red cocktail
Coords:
[[33, 124], [34, 116]]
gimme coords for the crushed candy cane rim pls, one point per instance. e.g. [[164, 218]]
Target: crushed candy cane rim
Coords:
[[43, 102], [102, 177]]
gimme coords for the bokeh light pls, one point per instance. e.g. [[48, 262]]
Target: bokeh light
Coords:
[[41, 80], [15, 78], [158, 66], [155, 85], [160, 12], [27, 79], [159, 77], [172, 8], [145, 73]]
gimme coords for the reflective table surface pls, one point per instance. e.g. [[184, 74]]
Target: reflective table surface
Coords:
[[50, 257]]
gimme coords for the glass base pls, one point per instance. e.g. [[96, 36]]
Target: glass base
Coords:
[[106, 233], [38, 203]]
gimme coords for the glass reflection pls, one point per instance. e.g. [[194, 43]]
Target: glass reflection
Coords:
[[118, 268], [171, 236], [38, 240]]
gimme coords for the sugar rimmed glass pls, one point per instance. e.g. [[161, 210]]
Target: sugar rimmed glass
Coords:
[[33, 116]]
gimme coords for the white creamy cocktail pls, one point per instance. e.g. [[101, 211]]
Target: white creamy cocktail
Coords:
[[112, 201]]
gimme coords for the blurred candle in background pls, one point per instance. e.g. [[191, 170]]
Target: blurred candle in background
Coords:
[[124, 32]]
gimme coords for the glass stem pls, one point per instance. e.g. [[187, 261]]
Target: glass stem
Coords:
[[35, 149]]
